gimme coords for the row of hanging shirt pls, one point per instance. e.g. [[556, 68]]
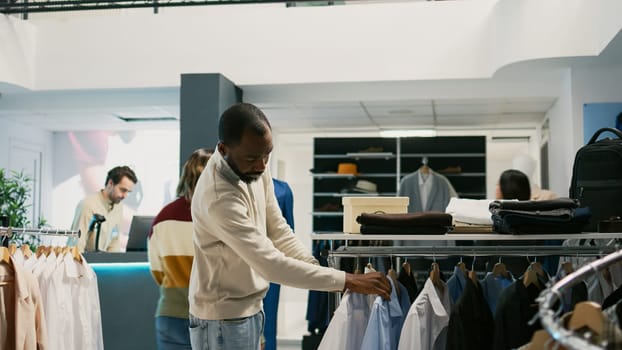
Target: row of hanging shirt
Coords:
[[63, 310], [496, 312]]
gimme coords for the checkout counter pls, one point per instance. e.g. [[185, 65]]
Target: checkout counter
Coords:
[[128, 297]]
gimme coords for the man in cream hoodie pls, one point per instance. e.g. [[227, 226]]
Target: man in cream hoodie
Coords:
[[242, 242]]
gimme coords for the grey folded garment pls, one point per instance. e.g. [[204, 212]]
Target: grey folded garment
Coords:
[[427, 219], [563, 213], [551, 204]]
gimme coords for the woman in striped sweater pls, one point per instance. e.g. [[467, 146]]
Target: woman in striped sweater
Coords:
[[170, 257]]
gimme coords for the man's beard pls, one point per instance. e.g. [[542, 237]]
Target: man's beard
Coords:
[[246, 178]]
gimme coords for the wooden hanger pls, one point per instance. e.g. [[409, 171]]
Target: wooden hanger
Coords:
[[5, 256], [57, 250], [435, 277], [43, 250], [541, 340], [40, 250], [76, 254], [393, 276], [462, 266], [500, 270], [473, 277], [407, 269], [12, 248], [587, 314], [531, 277], [567, 267], [26, 250]]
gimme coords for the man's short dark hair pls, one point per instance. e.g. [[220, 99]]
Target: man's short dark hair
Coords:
[[514, 184], [116, 174], [237, 119]]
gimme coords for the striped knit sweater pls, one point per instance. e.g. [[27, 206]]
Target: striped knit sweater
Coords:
[[170, 257]]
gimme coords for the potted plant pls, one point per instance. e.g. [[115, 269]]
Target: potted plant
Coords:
[[14, 195]]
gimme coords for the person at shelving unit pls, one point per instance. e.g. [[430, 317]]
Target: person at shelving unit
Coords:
[[241, 240], [120, 181], [171, 252], [513, 184], [526, 164]]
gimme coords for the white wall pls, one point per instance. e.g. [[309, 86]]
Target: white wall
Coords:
[[581, 85], [17, 51], [36, 139], [561, 149], [593, 85], [534, 29]]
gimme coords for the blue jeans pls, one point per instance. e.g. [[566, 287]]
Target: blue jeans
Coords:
[[172, 333], [232, 334]]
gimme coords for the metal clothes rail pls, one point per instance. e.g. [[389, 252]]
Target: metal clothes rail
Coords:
[[474, 251], [461, 237], [346, 250], [550, 318], [9, 231]]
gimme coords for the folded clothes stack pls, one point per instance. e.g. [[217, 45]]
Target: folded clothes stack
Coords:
[[561, 215], [429, 223]]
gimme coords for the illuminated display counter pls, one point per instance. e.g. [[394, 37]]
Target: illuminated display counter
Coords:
[[128, 297]]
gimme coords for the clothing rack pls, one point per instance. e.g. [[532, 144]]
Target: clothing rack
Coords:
[[473, 251], [483, 236], [550, 318], [9, 231], [346, 250], [523, 250]]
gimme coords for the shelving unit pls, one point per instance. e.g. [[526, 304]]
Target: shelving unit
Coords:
[[384, 161], [446, 155]]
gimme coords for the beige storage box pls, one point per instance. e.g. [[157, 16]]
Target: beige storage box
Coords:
[[355, 206]]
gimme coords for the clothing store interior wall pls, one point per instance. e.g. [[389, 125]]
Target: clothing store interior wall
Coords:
[[517, 72]]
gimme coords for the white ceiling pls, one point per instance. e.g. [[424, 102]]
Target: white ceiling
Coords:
[[517, 96], [57, 112], [103, 110], [408, 114]]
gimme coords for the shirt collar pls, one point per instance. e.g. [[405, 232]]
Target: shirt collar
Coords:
[[460, 276], [107, 202], [225, 169], [438, 302]]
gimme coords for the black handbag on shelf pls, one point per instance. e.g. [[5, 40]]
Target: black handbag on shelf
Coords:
[[597, 177]]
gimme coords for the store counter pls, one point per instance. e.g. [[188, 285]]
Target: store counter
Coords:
[[128, 297]]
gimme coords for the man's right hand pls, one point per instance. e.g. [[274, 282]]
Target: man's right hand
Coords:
[[369, 283]]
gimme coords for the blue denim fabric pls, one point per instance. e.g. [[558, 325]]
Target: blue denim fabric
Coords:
[[172, 333], [233, 334]]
